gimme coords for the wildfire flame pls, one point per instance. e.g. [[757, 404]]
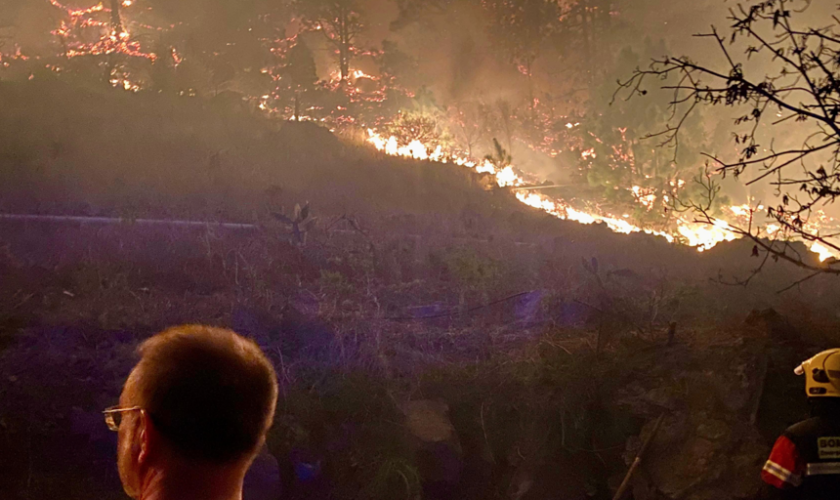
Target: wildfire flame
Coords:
[[823, 251], [415, 149], [700, 235], [109, 42], [561, 210]]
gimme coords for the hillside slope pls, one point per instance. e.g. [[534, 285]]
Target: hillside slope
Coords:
[[108, 152], [544, 343], [68, 150]]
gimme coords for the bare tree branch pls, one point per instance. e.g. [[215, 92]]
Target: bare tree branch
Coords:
[[803, 83]]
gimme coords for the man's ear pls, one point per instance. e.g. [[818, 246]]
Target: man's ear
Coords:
[[149, 439]]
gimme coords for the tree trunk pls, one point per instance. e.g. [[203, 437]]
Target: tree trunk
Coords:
[[528, 67], [344, 45], [344, 61], [116, 21], [116, 30], [297, 106], [585, 32]]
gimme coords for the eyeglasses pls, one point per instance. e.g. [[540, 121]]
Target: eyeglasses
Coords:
[[113, 416]]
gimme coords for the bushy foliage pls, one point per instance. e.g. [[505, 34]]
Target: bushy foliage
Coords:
[[619, 148]]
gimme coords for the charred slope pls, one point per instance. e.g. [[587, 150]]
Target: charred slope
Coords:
[[109, 152]]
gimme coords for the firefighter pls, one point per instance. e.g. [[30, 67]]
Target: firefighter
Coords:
[[805, 461]]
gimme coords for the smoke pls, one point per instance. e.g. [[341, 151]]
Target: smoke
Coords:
[[486, 69]]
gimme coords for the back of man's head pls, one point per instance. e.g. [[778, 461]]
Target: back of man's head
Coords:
[[210, 393]]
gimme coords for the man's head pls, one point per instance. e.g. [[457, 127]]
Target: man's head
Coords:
[[204, 398]]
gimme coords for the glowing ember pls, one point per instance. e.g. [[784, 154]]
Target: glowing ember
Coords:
[[705, 236], [822, 251], [745, 210], [110, 41], [125, 84], [644, 196]]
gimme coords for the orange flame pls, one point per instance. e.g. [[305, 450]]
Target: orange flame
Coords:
[[698, 234]]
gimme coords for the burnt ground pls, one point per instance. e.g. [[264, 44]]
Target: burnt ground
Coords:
[[530, 345]]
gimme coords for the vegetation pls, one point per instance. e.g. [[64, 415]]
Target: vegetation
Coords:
[[415, 285], [339, 21], [300, 74], [795, 91], [500, 159]]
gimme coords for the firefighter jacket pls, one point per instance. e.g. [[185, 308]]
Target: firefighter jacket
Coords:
[[805, 461]]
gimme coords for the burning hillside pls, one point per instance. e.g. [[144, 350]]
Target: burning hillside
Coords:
[[683, 228], [532, 116]]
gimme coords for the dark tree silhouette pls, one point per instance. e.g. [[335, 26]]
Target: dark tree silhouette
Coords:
[[340, 21], [520, 27], [797, 92], [116, 33], [470, 119], [584, 35], [500, 158], [411, 11], [6, 27], [301, 72]]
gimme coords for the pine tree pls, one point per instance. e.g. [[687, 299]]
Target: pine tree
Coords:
[[300, 72]]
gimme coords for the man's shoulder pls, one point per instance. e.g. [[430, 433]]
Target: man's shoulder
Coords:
[[812, 428], [813, 424]]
